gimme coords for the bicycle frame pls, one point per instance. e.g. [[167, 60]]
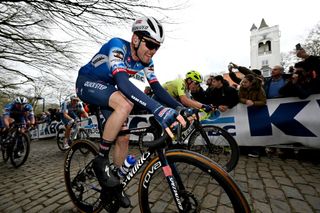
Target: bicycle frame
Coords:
[[194, 126], [170, 171]]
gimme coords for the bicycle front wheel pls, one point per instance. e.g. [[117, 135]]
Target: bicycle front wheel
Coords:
[[20, 150], [60, 139], [203, 186], [81, 182], [217, 144]]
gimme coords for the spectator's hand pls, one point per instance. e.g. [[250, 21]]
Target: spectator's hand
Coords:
[[294, 78], [249, 103], [223, 108], [207, 108]]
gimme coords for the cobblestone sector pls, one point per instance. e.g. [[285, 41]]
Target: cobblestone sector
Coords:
[[270, 184]]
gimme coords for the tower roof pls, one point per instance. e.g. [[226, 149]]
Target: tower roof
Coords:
[[254, 27], [263, 24]]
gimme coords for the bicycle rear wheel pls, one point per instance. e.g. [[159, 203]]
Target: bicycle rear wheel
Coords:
[[224, 150], [206, 186], [81, 183], [20, 149]]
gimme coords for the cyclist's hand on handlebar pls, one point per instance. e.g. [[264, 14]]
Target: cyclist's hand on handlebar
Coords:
[[207, 108], [168, 118]]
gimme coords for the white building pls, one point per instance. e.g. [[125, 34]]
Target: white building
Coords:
[[265, 47]]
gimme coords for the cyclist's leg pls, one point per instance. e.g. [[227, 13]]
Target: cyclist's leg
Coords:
[[105, 95], [66, 132]]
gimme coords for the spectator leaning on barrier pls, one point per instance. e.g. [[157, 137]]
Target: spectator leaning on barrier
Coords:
[[222, 96], [251, 93]]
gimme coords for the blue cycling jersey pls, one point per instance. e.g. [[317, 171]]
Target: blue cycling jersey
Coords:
[[114, 57], [76, 109], [112, 65], [18, 113]]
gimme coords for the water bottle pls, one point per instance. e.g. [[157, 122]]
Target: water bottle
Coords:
[[128, 163]]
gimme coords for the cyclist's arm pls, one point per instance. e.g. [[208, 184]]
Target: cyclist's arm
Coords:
[[163, 95], [31, 118], [189, 102], [85, 114], [133, 93]]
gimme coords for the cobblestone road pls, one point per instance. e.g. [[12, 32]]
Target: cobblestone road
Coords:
[[270, 184]]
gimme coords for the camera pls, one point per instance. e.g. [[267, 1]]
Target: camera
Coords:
[[298, 46]]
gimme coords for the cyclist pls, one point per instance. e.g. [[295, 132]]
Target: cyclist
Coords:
[[104, 82], [71, 112], [179, 89], [19, 111]]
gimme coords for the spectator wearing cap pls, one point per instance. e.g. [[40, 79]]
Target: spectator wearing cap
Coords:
[[251, 93]]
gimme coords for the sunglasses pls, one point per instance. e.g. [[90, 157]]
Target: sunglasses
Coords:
[[196, 83], [151, 45]]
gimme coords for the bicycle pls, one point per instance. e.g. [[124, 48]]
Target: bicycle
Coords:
[[209, 140], [15, 145], [194, 182], [77, 132]]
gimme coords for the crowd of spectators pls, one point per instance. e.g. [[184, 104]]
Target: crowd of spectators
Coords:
[[47, 117], [301, 80]]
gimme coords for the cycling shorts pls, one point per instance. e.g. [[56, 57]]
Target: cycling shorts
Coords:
[[93, 91]]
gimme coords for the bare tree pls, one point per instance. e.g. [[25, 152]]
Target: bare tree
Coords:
[[30, 33], [311, 44]]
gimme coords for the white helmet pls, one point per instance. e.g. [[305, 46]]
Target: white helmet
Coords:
[[149, 27], [20, 100]]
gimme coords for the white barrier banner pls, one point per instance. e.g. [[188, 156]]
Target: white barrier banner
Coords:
[[281, 121]]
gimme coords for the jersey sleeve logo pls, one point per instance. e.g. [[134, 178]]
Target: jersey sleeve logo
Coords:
[[99, 59]]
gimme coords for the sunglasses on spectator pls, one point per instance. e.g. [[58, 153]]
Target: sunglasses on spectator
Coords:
[[151, 45]]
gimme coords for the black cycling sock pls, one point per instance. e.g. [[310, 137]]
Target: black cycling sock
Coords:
[[104, 148]]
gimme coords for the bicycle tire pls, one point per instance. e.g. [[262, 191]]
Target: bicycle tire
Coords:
[[79, 177], [210, 186], [24, 151], [5, 153], [60, 139], [225, 151]]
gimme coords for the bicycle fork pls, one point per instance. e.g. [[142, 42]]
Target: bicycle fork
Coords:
[[174, 180]]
